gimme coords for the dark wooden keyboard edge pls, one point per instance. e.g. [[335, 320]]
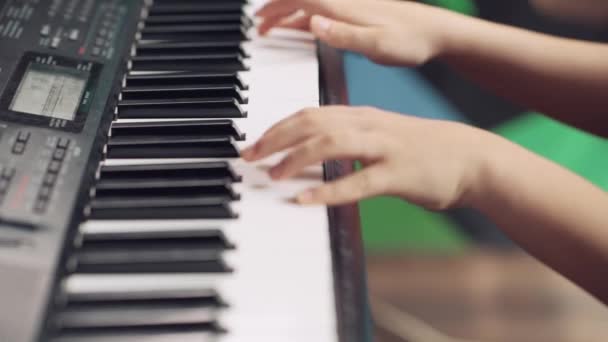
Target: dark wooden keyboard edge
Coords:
[[350, 284]]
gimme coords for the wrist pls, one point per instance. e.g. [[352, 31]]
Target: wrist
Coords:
[[490, 168], [449, 35], [457, 36]]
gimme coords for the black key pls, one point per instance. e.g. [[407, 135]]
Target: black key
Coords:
[[230, 63], [167, 172], [193, 128], [136, 255], [202, 332], [209, 32], [205, 208], [118, 315], [183, 92], [191, 2], [196, 7], [229, 18], [207, 239], [181, 333], [93, 336], [190, 108], [202, 29], [172, 147], [186, 79], [221, 188], [149, 260], [191, 48], [213, 186], [204, 296]]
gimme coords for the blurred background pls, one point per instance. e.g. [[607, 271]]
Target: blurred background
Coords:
[[437, 275]]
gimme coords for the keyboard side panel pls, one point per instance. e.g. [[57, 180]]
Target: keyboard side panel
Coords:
[[354, 321]]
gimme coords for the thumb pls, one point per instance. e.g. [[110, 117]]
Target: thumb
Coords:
[[342, 35]]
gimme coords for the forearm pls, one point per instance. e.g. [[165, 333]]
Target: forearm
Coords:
[[555, 215], [564, 78], [586, 12]]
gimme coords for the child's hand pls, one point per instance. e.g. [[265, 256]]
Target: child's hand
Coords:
[[388, 32], [435, 164]]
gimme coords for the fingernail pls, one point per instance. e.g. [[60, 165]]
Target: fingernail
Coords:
[[305, 197], [322, 23]]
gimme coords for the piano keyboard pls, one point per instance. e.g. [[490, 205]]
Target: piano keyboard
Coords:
[[126, 214], [183, 242]]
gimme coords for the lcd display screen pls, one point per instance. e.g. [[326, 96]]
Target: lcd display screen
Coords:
[[50, 91]]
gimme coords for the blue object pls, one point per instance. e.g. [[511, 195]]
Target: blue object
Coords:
[[400, 90], [404, 90]]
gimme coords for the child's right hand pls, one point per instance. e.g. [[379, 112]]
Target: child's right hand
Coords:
[[388, 32], [434, 164]]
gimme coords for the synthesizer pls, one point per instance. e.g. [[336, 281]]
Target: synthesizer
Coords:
[[125, 213]]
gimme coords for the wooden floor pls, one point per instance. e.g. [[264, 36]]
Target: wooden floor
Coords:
[[479, 296]]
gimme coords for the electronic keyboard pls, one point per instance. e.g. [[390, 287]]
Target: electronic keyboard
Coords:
[[126, 214]]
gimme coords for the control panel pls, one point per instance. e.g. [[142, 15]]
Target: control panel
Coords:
[[61, 63], [88, 27]]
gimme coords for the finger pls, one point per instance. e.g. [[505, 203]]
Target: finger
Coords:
[[282, 135], [344, 36], [367, 183], [277, 10], [345, 144], [299, 127], [270, 23], [286, 7], [271, 8], [299, 22], [274, 12]]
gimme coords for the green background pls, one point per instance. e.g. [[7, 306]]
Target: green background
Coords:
[[390, 224]]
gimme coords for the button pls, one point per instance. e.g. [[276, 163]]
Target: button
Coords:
[[45, 31], [59, 154], [23, 136], [40, 205], [17, 223], [55, 42], [49, 179], [54, 166], [96, 51], [99, 41], [8, 173], [19, 148], [4, 184], [45, 192], [103, 32], [63, 143], [74, 34]]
